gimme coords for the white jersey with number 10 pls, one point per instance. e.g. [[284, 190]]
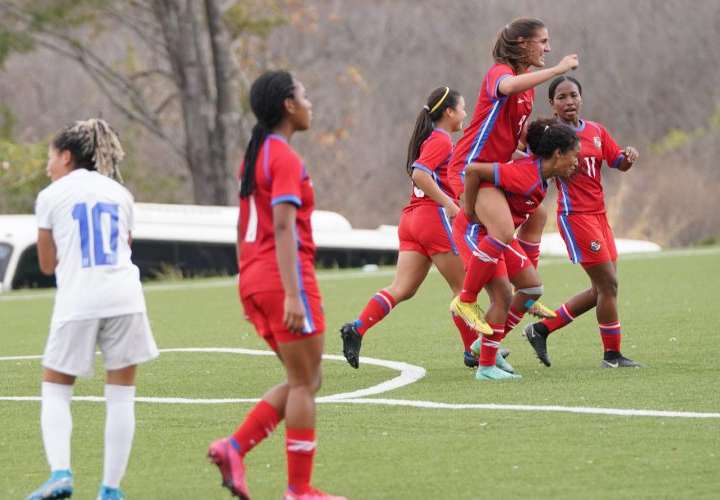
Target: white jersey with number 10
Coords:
[[91, 218]]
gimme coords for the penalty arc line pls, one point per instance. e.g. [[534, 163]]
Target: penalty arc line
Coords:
[[408, 375]]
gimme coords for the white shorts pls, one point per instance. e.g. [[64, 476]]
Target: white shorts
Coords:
[[123, 340]]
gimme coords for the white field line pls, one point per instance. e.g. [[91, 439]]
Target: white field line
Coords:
[[408, 375], [336, 276]]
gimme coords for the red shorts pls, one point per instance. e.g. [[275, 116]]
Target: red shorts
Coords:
[[588, 238], [466, 236], [265, 311], [426, 229]]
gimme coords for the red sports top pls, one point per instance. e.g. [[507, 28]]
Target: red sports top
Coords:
[[280, 177], [523, 184], [583, 192], [495, 128], [435, 152]]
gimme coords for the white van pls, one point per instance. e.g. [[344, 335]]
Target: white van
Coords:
[[195, 241]]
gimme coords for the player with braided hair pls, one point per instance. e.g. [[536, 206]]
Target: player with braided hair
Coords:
[[85, 219], [278, 288], [523, 182]]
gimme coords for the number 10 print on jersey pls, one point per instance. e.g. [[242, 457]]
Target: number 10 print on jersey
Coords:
[[104, 233]]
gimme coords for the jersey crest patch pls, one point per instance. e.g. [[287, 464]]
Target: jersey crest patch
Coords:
[[598, 142], [595, 246]]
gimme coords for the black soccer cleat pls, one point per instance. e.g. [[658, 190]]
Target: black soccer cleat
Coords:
[[538, 341], [613, 359], [352, 341]]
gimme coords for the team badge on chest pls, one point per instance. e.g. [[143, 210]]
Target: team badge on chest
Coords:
[[598, 142]]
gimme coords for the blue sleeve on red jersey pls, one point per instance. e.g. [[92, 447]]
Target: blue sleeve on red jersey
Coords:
[[612, 154], [434, 152], [286, 172], [496, 75]]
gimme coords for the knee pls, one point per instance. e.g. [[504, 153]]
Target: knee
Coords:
[[532, 292], [608, 287]]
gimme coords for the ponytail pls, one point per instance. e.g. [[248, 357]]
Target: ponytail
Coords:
[[267, 101], [440, 99]]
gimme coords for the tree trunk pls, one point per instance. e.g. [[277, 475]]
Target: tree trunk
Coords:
[[204, 153], [228, 128]]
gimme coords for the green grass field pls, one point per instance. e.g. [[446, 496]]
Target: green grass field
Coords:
[[670, 314]]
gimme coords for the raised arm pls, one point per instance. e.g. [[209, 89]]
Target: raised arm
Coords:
[[519, 83]]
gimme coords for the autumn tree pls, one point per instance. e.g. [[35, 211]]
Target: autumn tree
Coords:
[[184, 69]]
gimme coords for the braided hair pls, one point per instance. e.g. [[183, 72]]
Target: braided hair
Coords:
[[93, 145], [267, 101], [439, 100]]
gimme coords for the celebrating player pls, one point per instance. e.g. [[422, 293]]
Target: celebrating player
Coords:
[[505, 101], [424, 230], [85, 218], [278, 288], [585, 229], [523, 183]]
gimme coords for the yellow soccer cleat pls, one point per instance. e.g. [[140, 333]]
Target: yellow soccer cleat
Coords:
[[540, 310], [472, 314]]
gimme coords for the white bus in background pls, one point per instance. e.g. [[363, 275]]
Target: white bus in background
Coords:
[[195, 241]]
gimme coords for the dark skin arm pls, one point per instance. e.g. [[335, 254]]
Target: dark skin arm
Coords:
[[631, 155], [286, 253], [489, 205]]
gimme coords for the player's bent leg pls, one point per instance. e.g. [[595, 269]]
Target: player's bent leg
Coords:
[[412, 268], [452, 269]]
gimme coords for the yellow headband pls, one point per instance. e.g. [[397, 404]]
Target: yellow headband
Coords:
[[439, 103]]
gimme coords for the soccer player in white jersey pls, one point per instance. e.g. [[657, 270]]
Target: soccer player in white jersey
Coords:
[[85, 217]]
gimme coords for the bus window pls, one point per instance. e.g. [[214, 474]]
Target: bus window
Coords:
[[28, 274], [5, 253]]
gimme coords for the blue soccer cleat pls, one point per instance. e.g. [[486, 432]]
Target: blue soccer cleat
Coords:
[[60, 485], [499, 357], [470, 359], [494, 373], [107, 493]]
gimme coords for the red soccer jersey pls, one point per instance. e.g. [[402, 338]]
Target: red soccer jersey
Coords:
[[280, 177], [523, 184], [434, 155], [583, 192], [495, 128]]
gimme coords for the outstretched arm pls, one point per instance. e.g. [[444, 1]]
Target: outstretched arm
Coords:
[[520, 83]]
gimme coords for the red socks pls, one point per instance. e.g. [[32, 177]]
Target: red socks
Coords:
[[258, 425], [610, 334], [489, 345], [513, 319], [481, 268], [467, 334], [300, 445], [376, 309], [564, 316], [532, 250]]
